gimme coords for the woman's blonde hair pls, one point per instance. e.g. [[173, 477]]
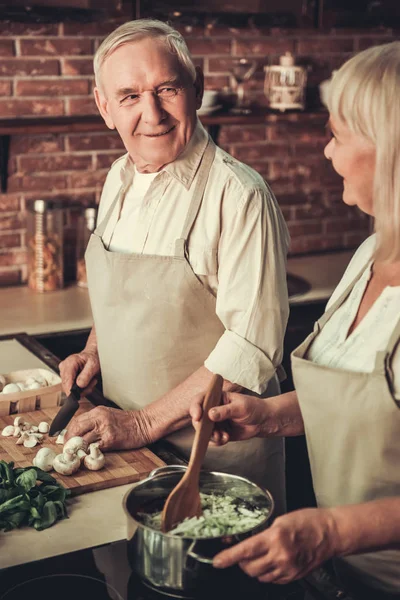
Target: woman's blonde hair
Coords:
[[134, 31], [365, 95]]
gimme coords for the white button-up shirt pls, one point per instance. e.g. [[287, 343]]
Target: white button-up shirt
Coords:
[[237, 248]]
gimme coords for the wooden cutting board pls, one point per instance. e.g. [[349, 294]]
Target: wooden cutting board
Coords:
[[122, 466]]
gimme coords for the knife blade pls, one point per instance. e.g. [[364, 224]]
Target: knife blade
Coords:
[[67, 410]]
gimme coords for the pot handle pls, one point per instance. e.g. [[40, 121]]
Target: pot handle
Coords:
[[167, 469], [199, 557]]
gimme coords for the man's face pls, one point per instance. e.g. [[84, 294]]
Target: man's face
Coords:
[[146, 95]]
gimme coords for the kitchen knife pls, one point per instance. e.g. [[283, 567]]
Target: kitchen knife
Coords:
[[67, 410]]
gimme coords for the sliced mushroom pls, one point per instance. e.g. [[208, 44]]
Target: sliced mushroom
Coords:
[[31, 442], [11, 388], [17, 431], [8, 431], [96, 459], [38, 436], [23, 437], [61, 436]]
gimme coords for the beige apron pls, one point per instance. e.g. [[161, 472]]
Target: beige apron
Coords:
[[155, 325], [352, 426]]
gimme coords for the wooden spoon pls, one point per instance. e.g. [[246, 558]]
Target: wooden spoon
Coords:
[[184, 500]]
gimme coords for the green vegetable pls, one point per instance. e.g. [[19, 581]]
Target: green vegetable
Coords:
[[222, 515], [30, 496]]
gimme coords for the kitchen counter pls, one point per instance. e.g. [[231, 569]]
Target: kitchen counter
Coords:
[[69, 309]]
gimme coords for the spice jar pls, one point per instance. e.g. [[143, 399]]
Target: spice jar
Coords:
[[45, 246], [87, 224]]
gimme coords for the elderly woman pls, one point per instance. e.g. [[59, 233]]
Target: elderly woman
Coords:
[[347, 372]]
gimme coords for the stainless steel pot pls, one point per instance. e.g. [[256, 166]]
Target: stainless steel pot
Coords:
[[178, 564]]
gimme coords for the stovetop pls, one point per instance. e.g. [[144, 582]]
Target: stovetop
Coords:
[[76, 576]]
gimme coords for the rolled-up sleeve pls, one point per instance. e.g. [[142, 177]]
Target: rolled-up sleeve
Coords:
[[252, 297]]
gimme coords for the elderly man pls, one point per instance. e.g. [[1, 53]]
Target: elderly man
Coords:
[[186, 269]]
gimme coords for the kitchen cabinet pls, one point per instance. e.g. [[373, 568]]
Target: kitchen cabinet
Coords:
[[359, 13]]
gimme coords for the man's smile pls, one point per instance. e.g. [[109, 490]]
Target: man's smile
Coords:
[[156, 135]]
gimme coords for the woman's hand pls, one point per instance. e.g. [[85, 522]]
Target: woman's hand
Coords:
[[240, 417], [87, 364], [113, 428], [294, 545]]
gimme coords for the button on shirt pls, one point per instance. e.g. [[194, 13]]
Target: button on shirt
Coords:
[[237, 248]]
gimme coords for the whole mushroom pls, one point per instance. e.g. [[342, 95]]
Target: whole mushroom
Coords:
[[44, 459], [66, 463], [75, 443], [96, 459]]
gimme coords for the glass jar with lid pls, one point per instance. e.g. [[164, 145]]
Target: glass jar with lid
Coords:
[[87, 224], [45, 246]]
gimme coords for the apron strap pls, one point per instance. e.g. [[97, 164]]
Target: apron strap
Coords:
[[327, 315], [100, 229], [202, 178], [383, 359]]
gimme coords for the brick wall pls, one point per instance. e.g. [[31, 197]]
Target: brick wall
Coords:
[[46, 70]]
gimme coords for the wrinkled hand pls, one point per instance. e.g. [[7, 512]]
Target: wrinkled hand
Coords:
[[114, 429], [87, 364], [294, 545], [240, 417]]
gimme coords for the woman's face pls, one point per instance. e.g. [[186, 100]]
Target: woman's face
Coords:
[[353, 158]]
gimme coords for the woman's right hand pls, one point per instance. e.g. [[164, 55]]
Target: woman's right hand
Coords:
[[240, 417], [86, 364]]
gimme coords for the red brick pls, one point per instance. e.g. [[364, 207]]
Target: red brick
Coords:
[[306, 131], [52, 87], [12, 221], [6, 48], [223, 65], [95, 141], [77, 66], [216, 82], [354, 239], [68, 196], [206, 46], [27, 108], [17, 67], [36, 183], [36, 144], [237, 133], [309, 244], [305, 228], [252, 152], [10, 277], [366, 42], [5, 88], [82, 106], [56, 47], [10, 240], [263, 47], [293, 198], [62, 162], [9, 202], [322, 45], [91, 179], [104, 161], [96, 28], [14, 28], [335, 225], [13, 258], [262, 168]]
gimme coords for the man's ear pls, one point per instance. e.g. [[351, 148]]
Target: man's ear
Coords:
[[199, 87], [102, 105]]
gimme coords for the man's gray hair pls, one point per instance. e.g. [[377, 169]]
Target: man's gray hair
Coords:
[[134, 31]]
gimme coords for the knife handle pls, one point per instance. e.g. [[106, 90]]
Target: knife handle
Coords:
[[76, 391]]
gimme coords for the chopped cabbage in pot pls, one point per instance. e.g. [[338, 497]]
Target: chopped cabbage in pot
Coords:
[[222, 515]]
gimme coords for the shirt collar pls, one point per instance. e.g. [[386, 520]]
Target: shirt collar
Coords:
[[184, 167]]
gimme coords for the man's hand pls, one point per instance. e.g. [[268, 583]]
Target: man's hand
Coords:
[[239, 418], [87, 364], [114, 429], [294, 545]]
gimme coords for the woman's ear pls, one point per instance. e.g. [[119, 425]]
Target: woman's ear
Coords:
[[102, 105], [199, 87]]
